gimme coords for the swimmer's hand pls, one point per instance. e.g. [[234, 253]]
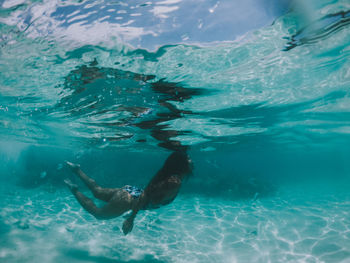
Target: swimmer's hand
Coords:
[[128, 225]]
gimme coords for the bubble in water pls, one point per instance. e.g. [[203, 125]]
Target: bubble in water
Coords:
[[59, 166], [43, 174]]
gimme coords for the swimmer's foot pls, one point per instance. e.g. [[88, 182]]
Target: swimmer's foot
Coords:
[[71, 186], [73, 166]]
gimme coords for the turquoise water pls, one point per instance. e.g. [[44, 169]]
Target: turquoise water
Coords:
[[257, 93]]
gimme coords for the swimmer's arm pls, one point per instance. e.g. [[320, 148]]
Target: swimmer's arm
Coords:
[[129, 222]]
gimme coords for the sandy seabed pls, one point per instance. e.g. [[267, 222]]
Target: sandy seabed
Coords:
[[292, 226]]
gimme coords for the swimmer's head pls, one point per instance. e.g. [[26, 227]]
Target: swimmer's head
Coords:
[[178, 163]]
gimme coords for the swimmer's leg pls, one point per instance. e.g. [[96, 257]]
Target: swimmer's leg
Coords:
[[104, 194], [84, 201], [119, 204]]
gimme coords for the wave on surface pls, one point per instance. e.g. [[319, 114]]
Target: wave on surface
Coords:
[[252, 86]]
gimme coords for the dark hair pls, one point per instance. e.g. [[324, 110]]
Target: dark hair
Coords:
[[178, 163]]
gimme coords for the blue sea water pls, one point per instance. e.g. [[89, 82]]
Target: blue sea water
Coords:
[[257, 92]]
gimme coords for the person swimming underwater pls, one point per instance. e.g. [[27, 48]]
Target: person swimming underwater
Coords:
[[161, 190]]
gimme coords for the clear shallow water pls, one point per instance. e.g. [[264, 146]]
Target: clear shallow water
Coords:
[[263, 110], [294, 226]]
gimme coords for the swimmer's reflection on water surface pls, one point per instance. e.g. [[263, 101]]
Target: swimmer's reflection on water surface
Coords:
[[165, 185]]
